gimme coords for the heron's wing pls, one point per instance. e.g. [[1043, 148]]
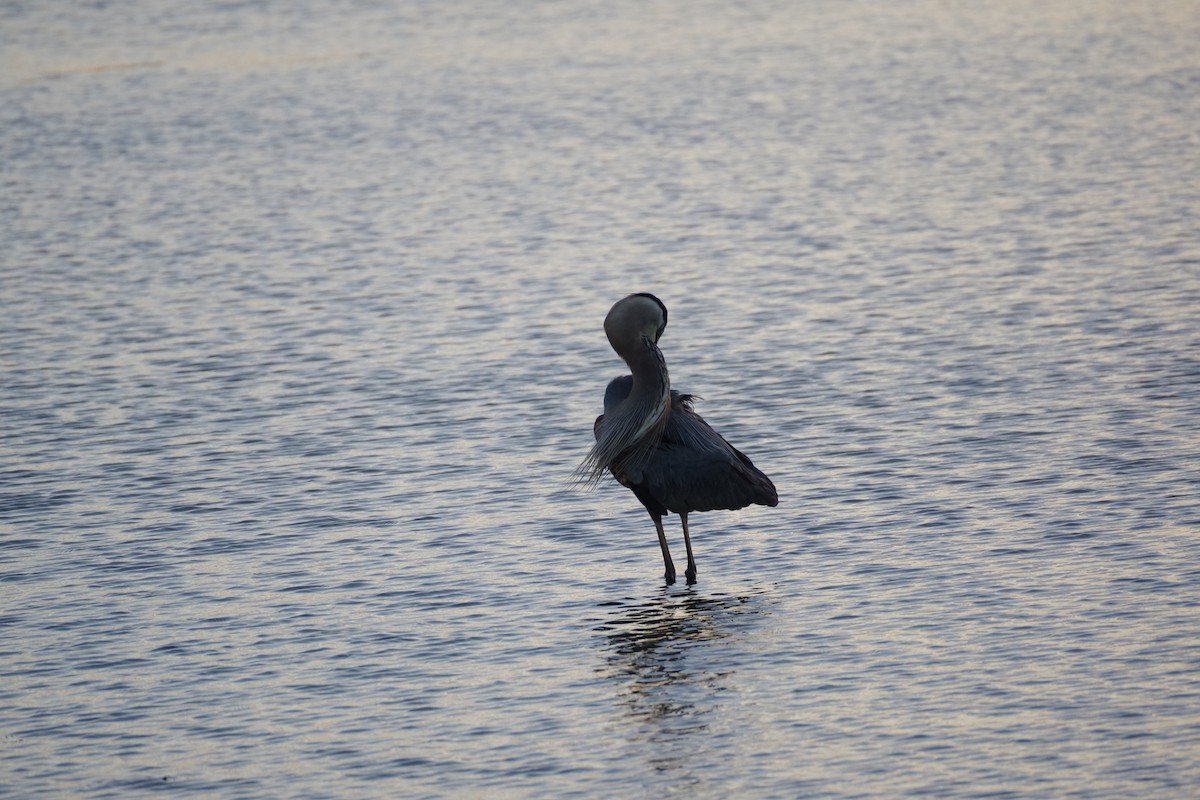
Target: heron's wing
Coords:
[[695, 469]]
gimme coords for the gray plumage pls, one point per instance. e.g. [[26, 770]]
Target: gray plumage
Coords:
[[653, 442]]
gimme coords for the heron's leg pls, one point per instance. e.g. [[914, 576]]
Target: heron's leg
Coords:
[[662, 542], [690, 572]]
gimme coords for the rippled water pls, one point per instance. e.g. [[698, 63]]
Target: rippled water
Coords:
[[301, 341]]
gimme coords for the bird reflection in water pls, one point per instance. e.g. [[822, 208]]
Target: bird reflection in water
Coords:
[[673, 660]]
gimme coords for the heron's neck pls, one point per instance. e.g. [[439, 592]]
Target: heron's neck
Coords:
[[632, 425], [650, 396], [649, 369]]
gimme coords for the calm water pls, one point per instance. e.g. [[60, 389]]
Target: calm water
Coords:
[[301, 341]]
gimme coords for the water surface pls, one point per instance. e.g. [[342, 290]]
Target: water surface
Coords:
[[302, 340]]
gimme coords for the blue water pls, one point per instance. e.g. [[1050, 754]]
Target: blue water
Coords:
[[301, 340]]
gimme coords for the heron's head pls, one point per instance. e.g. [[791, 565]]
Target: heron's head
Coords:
[[636, 407], [638, 316]]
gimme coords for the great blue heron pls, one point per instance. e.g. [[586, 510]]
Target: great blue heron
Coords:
[[654, 443]]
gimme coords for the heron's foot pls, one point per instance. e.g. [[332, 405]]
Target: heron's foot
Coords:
[[669, 575], [690, 574]]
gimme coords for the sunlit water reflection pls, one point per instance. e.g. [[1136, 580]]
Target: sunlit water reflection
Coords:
[[301, 341]]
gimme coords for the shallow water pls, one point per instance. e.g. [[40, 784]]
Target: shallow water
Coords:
[[301, 342]]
